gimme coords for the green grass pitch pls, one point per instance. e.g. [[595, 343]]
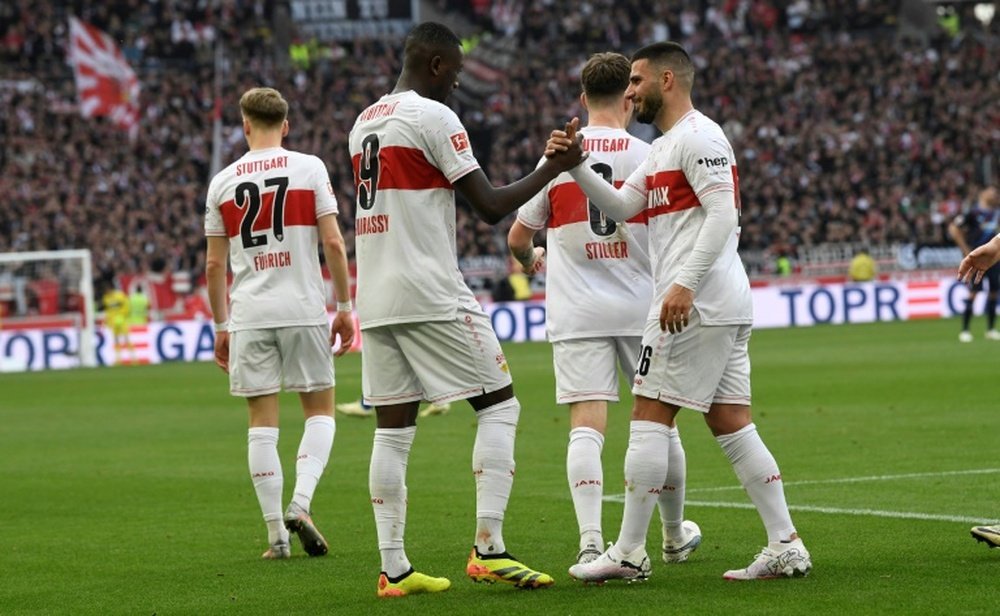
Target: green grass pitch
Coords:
[[125, 491]]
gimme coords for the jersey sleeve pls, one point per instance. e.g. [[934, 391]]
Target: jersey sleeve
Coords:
[[636, 181], [326, 201], [215, 226], [447, 142], [708, 163], [535, 213]]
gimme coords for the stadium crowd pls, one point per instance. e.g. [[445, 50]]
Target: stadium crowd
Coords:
[[844, 131]]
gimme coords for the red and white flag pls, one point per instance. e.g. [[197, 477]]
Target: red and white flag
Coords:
[[106, 85]]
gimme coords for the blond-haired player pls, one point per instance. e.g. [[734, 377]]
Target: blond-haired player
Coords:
[[266, 213], [598, 288]]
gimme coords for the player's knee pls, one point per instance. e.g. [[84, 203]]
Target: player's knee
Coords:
[[725, 419]]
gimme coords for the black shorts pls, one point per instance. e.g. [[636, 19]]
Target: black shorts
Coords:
[[992, 276]]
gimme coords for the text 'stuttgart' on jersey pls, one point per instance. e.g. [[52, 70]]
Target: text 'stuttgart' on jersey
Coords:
[[267, 204], [407, 150], [691, 160], [598, 276]]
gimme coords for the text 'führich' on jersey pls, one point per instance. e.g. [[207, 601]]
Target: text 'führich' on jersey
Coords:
[[271, 260]]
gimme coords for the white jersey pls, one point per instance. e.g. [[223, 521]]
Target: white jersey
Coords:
[[406, 151], [692, 159], [267, 203], [599, 281]]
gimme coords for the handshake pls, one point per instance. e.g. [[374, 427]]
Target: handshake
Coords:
[[564, 148]]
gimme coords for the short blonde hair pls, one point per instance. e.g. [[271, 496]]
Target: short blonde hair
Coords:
[[264, 107]]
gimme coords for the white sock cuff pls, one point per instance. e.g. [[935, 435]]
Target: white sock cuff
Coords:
[[584, 432], [320, 420], [406, 432], [726, 439], [262, 435], [641, 425], [506, 412]]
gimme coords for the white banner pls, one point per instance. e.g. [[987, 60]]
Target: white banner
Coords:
[[791, 305]]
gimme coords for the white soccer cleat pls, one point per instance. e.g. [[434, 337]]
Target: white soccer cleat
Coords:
[[992, 334], [278, 551], [589, 553], [965, 337], [612, 565], [990, 535], [300, 522], [355, 409], [677, 550], [792, 560], [433, 408]]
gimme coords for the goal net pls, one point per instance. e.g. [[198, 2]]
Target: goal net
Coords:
[[46, 310]]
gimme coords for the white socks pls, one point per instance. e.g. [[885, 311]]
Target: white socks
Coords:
[[646, 464], [586, 478], [387, 485], [265, 471], [314, 453], [672, 498], [758, 473], [493, 468]]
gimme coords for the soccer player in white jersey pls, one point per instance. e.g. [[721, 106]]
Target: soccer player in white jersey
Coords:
[[265, 215], [694, 351], [598, 289], [425, 336]]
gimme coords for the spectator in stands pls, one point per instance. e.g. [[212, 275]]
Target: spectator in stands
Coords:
[[862, 267], [843, 129], [138, 306]]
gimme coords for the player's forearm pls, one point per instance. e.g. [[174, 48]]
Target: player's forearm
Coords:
[[335, 253], [619, 204], [215, 276], [720, 221], [493, 204], [959, 238], [521, 241]]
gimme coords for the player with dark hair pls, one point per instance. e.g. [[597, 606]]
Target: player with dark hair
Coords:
[[598, 287], [426, 337], [266, 214], [694, 348]]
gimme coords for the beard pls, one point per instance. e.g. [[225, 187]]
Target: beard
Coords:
[[647, 110]]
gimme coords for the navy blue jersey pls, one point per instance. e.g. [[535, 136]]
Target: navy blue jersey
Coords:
[[979, 225]]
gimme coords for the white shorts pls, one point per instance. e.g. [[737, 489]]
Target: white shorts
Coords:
[[438, 361], [695, 368], [587, 368], [262, 360]]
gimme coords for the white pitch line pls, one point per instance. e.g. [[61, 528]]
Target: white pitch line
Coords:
[[812, 482], [878, 513]]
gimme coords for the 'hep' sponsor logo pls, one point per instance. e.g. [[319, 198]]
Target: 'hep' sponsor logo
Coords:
[[460, 141], [721, 161]]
